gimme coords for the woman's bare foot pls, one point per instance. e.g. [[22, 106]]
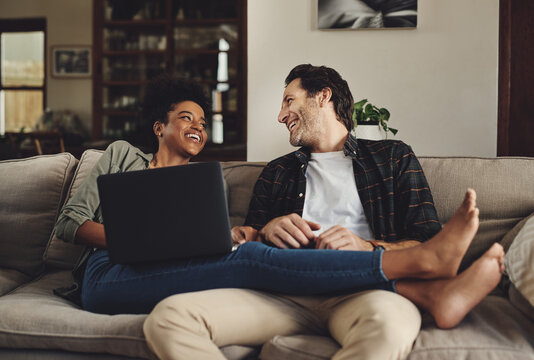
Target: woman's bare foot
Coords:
[[441, 256], [449, 301]]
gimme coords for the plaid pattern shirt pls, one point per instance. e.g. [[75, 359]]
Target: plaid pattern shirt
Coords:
[[393, 190]]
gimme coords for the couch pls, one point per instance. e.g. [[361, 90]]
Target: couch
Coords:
[[36, 324]]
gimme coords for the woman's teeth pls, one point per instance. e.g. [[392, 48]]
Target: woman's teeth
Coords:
[[193, 136]]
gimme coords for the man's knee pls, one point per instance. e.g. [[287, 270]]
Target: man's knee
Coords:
[[395, 316], [380, 317], [171, 318]]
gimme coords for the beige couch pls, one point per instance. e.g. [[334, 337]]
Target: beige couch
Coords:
[[36, 324]]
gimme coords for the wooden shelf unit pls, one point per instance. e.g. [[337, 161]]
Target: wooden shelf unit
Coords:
[[133, 45]]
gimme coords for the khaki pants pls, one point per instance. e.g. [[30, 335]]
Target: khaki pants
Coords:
[[372, 324]]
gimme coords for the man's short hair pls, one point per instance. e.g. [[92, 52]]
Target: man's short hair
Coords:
[[316, 78]]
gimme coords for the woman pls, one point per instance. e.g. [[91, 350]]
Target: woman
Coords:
[[178, 112]]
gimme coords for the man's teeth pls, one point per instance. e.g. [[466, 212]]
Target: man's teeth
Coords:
[[194, 136], [292, 125]]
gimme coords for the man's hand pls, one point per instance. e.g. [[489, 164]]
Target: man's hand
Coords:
[[289, 231], [241, 234], [341, 238]]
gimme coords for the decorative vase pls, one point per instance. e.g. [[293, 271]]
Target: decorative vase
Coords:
[[369, 132]]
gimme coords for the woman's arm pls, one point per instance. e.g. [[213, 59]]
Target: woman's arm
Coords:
[[91, 233], [84, 206]]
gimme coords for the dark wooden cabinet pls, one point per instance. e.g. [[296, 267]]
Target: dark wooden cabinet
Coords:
[[202, 40]]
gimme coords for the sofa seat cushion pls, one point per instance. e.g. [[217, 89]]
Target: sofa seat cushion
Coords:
[[11, 279], [33, 317], [36, 354], [494, 330], [33, 191], [299, 347]]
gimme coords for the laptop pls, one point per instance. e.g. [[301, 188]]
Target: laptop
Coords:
[[175, 212]]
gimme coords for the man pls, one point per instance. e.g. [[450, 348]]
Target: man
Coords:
[[339, 193]]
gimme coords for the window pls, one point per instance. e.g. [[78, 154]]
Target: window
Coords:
[[22, 73]]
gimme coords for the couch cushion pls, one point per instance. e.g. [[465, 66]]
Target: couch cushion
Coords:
[[10, 279], [33, 191], [519, 262], [501, 206], [58, 253], [493, 330], [33, 317], [299, 347], [508, 239], [240, 177]]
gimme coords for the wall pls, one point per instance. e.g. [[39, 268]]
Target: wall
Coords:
[[69, 22], [439, 81]]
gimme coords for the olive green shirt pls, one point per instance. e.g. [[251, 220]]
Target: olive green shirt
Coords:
[[84, 205]]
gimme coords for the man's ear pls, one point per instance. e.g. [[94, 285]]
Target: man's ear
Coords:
[[324, 96], [158, 128]]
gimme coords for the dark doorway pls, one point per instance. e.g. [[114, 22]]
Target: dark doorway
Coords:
[[516, 78]]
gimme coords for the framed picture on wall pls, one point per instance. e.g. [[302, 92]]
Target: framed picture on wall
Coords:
[[71, 61], [366, 14]]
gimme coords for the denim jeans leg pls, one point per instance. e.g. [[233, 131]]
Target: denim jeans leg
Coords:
[[116, 288]]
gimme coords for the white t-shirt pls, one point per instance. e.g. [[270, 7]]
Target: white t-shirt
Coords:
[[331, 194]]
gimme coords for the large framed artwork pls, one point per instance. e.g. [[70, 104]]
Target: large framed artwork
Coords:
[[367, 14], [71, 61]]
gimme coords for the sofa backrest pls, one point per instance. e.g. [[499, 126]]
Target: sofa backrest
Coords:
[[505, 193], [32, 192], [240, 177]]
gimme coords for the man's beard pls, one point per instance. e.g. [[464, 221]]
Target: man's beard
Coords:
[[308, 126]]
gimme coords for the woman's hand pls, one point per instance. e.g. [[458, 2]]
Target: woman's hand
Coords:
[[241, 234]]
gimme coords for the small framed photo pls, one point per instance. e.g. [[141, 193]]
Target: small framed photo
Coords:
[[71, 61]]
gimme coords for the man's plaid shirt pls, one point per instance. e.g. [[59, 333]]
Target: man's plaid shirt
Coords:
[[393, 190]]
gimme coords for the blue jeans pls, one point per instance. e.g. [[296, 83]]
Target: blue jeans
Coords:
[[114, 288]]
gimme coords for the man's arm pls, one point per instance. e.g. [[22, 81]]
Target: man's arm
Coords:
[[288, 231], [341, 238], [416, 217]]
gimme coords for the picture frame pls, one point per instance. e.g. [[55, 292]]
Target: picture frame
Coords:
[[366, 14], [71, 61]]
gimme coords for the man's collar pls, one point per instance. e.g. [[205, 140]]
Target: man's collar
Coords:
[[350, 148]]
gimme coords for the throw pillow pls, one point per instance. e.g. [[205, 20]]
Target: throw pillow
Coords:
[[519, 261]]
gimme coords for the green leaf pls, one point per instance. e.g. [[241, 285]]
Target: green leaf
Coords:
[[360, 104], [394, 131], [385, 113]]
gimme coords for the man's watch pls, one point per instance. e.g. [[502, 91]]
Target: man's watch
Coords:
[[376, 246]]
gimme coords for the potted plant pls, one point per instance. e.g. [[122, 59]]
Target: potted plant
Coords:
[[367, 115]]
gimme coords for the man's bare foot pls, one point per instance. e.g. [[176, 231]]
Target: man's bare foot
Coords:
[[450, 300], [441, 256]]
